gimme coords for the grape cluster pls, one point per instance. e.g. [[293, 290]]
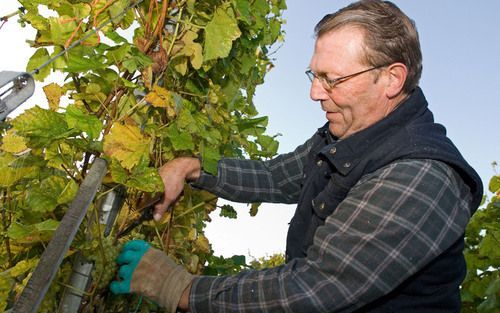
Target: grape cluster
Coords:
[[104, 263]]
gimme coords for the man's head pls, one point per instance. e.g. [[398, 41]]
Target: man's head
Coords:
[[366, 60], [390, 35]]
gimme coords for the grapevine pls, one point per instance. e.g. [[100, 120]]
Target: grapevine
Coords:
[[163, 79]]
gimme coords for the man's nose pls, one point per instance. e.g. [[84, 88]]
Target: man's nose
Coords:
[[317, 92]]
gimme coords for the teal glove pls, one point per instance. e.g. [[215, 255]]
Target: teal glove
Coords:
[[150, 272], [128, 259]]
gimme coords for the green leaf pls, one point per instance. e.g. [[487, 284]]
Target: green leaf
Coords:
[[44, 197], [180, 140], [82, 63], [118, 173], [252, 124], [49, 225], [210, 157], [220, 33], [243, 9], [41, 127], [68, 193], [27, 233], [494, 185], [118, 53], [145, 179], [18, 231], [37, 59], [136, 61], [489, 246], [239, 260], [113, 35], [186, 121], [81, 120], [268, 144]]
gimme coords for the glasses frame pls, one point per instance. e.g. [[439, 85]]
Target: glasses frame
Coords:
[[329, 84]]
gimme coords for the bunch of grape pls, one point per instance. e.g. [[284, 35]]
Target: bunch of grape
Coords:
[[5, 287], [105, 263]]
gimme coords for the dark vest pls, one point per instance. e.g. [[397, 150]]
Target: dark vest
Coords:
[[334, 167]]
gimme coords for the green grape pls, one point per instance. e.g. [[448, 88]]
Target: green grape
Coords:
[[104, 263]]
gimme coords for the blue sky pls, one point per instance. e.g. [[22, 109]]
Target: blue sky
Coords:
[[461, 56]]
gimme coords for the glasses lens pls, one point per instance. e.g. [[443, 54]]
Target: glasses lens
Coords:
[[310, 75]]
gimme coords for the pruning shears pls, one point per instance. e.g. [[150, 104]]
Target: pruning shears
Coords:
[[147, 210]]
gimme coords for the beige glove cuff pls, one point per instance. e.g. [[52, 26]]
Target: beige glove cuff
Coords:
[[160, 279]]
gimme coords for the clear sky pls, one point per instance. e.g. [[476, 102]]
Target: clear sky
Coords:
[[461, 55]]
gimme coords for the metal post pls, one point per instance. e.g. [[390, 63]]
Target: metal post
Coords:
[[52, 257], [81, 276]]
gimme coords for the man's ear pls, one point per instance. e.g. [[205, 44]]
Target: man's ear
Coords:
[[397, 77]]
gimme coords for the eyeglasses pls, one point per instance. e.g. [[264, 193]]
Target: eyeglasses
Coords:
[[328, 84]]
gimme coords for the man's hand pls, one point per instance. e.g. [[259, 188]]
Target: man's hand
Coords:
[[152, 273], [174, 174]]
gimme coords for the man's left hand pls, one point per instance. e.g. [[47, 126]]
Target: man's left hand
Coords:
[[152, 273]]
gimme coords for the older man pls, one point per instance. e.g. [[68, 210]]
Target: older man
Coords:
[[383, 195]]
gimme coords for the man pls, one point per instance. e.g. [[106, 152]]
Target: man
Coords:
[[383, 195]]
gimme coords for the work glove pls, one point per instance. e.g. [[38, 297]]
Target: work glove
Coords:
[[150, 272]]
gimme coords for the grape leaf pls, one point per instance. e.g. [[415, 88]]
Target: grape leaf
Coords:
[[192, 49], [53, 92], [180, 140], [41, 127], [494, 184], [145, 179], [38, 59], [220, 33], [78, 119], [10, 175], [44, 197], [127, 145], [12, 142]]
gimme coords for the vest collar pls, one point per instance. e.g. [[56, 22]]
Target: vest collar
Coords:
[[345, 154]]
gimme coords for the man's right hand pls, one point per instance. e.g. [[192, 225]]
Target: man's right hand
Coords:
[[174, 174]]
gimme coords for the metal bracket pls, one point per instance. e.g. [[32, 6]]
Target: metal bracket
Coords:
[[15, 89]]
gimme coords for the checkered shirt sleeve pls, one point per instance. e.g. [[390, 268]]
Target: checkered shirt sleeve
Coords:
[[277, 180], [392, 223]]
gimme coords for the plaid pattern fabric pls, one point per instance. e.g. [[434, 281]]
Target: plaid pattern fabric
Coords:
[[392, 223], [277, 180]]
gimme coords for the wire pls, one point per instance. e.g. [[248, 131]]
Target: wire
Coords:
[[78, 42]]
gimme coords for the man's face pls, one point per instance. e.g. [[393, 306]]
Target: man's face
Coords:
[[353, 104]]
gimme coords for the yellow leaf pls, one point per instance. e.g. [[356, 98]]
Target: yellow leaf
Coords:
[[53, 92], [127, 145], [192, 49], [11, 175], [22, 267], [161, 97], [202, 244], [13, 143]]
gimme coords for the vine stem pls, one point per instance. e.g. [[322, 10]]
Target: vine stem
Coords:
[[5, 18], [176, 33], [5, 227], [196, 206]]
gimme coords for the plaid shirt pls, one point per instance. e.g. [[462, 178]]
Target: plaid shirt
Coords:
[[392, 223]]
